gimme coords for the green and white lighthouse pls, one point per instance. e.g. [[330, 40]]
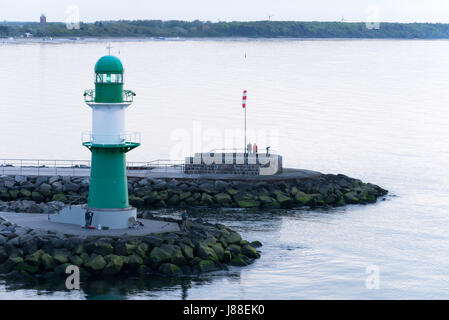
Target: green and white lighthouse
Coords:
[[108, 142]]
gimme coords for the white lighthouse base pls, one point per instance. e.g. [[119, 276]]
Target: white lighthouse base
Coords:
[[102, 218]]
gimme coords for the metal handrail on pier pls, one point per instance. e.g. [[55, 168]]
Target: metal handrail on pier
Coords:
[[81, 168]]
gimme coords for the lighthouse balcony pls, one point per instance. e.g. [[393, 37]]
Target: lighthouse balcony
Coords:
[[127, 139], [127, 97]]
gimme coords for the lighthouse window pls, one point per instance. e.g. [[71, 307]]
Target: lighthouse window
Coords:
[[109, 78]]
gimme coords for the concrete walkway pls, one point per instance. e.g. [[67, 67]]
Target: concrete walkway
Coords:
[[161, 173], [40, 222]]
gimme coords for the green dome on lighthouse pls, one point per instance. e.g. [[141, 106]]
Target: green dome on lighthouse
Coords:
[[109, 64], [109, 80]]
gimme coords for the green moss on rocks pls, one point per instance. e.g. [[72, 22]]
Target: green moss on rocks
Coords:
[[59, 197], [250, 252], [159, 255], [249, 203], [303, 198], [96, 262], [207, 266], [232, 237], [169, 269]]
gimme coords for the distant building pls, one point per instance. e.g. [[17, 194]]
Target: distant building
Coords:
[[43, 20]]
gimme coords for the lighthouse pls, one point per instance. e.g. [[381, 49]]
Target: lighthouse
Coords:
[[108, 143]]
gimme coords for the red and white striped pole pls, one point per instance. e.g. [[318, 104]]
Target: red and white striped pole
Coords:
[[244, 107]]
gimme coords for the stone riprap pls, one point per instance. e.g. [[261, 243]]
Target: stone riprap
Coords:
[[48, 194], [203, 247]]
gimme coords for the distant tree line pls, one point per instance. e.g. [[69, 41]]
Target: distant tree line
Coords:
[[256, 29]]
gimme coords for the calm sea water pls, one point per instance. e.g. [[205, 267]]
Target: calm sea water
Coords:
[[375, 110]]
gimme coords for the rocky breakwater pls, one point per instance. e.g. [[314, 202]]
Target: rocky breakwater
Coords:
[[49, 194], [204, 247]]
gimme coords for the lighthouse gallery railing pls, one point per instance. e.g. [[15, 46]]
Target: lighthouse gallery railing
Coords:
[[89, 96]]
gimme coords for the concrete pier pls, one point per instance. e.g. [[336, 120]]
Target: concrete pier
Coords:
[[41, 222]]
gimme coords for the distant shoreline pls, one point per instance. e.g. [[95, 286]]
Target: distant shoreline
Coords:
[[85, 40], [189, 30]]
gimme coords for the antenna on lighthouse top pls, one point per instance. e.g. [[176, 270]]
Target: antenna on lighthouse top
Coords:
[[109, 49]]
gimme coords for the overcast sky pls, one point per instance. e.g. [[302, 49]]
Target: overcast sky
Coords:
[[228, 10]]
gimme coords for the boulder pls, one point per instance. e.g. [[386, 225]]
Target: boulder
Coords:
[[223, 199], [283, 199], [159, 255], [256, 244], [40, 180], [24, 193], [76, 260], [250, 252], [221, 186], [4, 195], [134, 261], [175, 252], [57, 187], [173, 201], [234, 249], [219, 251], [114, 264], [239, 261], [160, 185], [248, 204], [187, 251], [351, 197], [208, 187], [232, 237], [10, 263], [59, 197], [25, 267], [47, 261], [142, 249], [34, 258], [319, 200], [20, 179], [101, 247], [184, 195], [53, 179], [136, 201], [37, 196], [61, 255], [206, 199], [303, 198], [243, 195], [13, 194], [144, 182], [9, 183], [169, 269], [206, 252], [96, 262], [207, 266], [3, 255], [68, 187]]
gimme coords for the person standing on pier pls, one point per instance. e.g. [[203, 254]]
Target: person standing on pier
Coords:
[[255, 148], [249, 147], [184, 217]]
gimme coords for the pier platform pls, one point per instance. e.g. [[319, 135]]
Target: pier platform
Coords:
[[41, 222]]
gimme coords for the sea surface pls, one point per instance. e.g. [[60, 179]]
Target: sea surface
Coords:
[[377, 110]]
